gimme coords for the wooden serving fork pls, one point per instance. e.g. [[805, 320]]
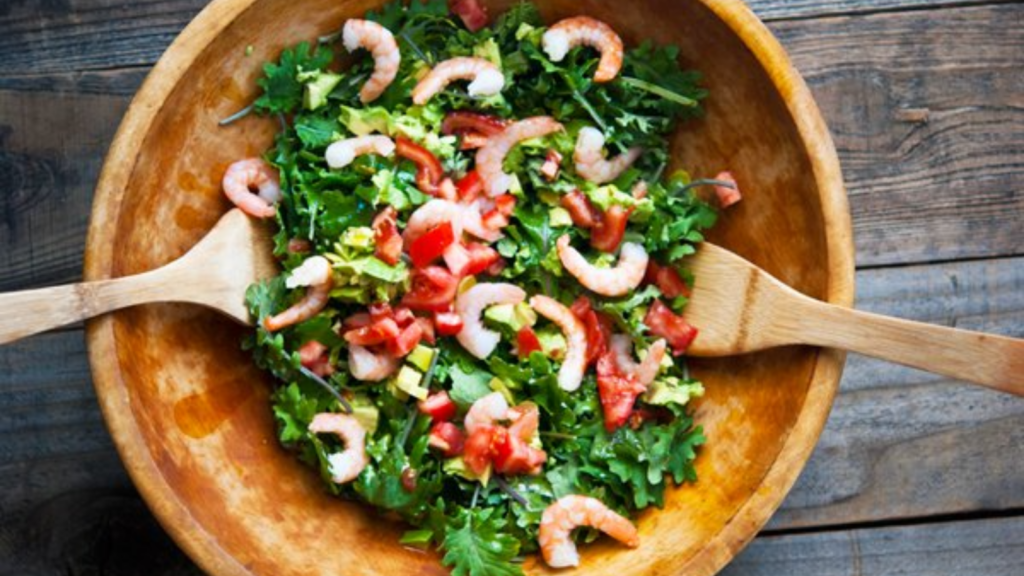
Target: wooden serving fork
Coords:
[[215, 273], [740, 308]]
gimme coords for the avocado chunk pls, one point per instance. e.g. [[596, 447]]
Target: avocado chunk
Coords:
[[408, 381], [317, 90], [421, 357]]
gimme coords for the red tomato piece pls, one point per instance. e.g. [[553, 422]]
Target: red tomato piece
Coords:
[[456, 257], [494, 219], [505, 204], [527, 342], [406, 340], [618, 392], [428, 330], [582, 212], [439, 406], [610, 228], [667, 279], [497, 268], [379, 311], [481, 446], [470, 186], [471, 12], [357, 320], [598, 326], [447, 438], [403, 316], [481, 258], [727, 195], [552, 165], [431, 246], [672, 327], [433, 289], [447, 323], [387, 240], [512, 456], [428, 167], [464, 122], [379, 332]]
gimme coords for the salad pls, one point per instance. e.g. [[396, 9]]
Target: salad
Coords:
[[478, 324]]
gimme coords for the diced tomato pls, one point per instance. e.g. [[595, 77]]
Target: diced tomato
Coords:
[[439, 406], [472, 122], [403, 316], [480, 258], [299, 246], [525, 420], [428, 167], [431, 245], [377, 333], [314, 356], [471, 12], [672, 327], [494, 219], [481, 446], [552, 165], [447, 323], [357, 320], [618, 391], [727, 195], [387, 240], [456, 257], [582, 212], [428, 330], [505, 204], [527, 342], [598, 327], [379, 311], [406, 340], [610, 228], [447, 438], [433, 289], [470, 186], [667, 279], [513, 455]]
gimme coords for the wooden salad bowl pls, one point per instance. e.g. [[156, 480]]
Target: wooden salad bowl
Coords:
[[189, 412]]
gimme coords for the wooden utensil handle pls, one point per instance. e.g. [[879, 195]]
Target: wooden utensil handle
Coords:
[[986, 359], [33, 311]]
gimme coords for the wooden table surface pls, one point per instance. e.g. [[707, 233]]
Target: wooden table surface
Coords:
[[914, 474]]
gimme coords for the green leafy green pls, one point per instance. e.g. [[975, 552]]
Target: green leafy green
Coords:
[[476, 544]]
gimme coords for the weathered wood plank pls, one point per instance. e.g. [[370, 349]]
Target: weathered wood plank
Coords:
[[977, 548], [927, 115], [75, 35], [53, 136]]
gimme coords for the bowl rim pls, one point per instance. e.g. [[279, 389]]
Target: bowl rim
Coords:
[[122, 157]]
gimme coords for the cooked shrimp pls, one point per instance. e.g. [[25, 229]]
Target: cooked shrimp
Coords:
[[345, 466], [314, 272], [474, 337], [592, 165], [489, 159], [252, 185], [486, 411], [571, 32], [386, 57], [341, 153], [487, 80], [645, 371], [570, 512], [617, 281], [575, 363], [369, 367]]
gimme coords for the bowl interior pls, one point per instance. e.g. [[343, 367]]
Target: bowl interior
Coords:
[[190, 412]]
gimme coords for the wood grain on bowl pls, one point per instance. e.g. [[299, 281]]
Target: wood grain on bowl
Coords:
[[234, 499]]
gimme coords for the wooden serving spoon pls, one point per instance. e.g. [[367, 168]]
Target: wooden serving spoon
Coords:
[[740, 308], [737, 306], [215, 273]]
